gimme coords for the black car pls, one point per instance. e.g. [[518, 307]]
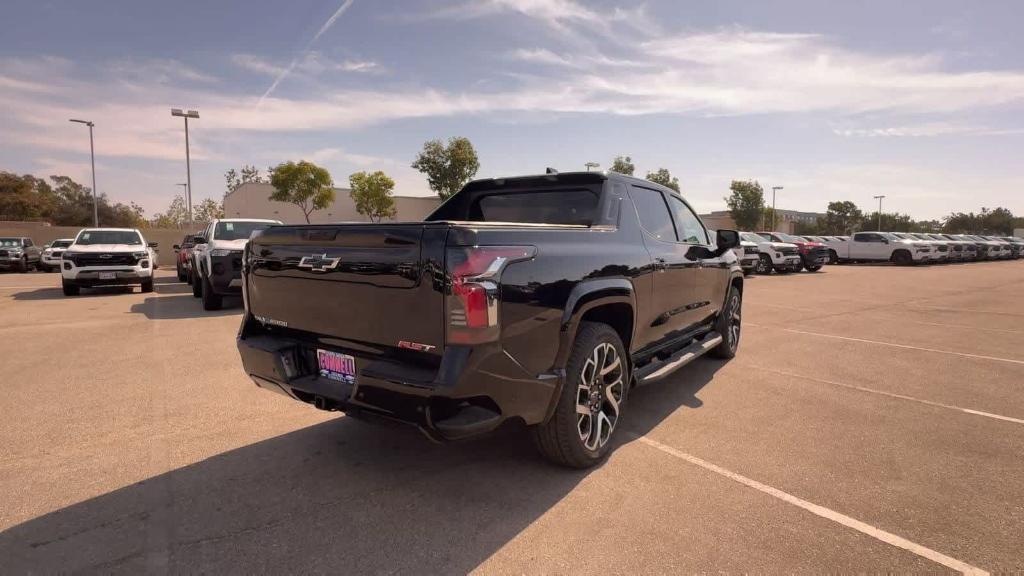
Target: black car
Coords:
[[538, 299]]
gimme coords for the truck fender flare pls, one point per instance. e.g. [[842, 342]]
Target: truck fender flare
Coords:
[[586, 295]]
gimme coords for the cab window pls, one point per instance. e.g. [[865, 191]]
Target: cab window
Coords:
[[653, 212], [688, 225]]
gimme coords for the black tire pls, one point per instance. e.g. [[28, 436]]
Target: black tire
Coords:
[[197, 288], [833, 257], [814, 268], [728, 325], [23, 265], [70, 289], [211, 300], [561, 439], [764, 264], [181, 273], [147, 286], [902, 258]]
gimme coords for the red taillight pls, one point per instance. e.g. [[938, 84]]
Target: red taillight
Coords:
[[472, 300]]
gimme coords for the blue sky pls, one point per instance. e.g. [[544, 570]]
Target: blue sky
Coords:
[[921, 101]]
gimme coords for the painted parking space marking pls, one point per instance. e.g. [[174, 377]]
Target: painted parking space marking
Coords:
[[891, 344], [893, 395], [818, 510]]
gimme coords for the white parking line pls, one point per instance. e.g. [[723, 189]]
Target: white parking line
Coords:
[[892, 395], [880, 343], [999, 313], [821, 511]]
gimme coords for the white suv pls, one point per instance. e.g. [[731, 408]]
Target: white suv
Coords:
[[107, 257], [217, 258], [778, 256], [52, 254]]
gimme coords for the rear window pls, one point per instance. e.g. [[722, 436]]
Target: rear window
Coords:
[[560, 206]]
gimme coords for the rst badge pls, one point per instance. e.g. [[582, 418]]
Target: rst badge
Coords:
[[415, 346], [319, 263]]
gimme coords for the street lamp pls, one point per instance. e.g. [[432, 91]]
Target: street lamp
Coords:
[[590, 165], [188, 161], [184, 187], [774, 189], [879, 198], [92, 156]]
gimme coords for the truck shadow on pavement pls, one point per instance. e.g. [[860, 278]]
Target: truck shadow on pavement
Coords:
[[58, 294], [180, 306], [341, 496]]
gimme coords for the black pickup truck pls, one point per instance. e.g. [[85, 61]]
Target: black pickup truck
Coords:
[[540, 299]]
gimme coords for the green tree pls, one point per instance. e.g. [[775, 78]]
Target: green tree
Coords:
[[176, 215], [746, 203], [623, 165], [74, 203], [998, 221], [25, 197], [891, 222], [448, 168], [842, 218], [304, 184], [207, 211], [248, 174], [961, 223], [373, 195], [664, 177]]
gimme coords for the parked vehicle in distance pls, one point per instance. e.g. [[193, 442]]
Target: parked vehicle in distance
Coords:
[[183, 256], [957, 250], [882, 247], [994, 250], [1006, 249], [980, 248], [19, 253], [813, 255], [748, 254], [50, 258], [1016, 244], [781, 257], [217, 260], [107, 257], [537, 299], [940, 250]]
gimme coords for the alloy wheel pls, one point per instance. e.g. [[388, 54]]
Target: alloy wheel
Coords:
[[598, 395], [734, 315]]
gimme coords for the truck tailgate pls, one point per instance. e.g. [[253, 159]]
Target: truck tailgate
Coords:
[[370, 286]]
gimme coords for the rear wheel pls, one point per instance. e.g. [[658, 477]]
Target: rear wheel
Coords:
[[728, 325], [764, 264], [69, 289], [211, 300], [590, 403]]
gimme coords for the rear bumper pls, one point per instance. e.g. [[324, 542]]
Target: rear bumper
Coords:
[[472, 391]]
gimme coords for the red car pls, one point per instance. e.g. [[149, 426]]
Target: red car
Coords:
[[813, 255], [182, 253]]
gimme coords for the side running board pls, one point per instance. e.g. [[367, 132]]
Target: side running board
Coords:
[[661, 368]]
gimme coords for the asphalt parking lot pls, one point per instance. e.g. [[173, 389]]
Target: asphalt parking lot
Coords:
[[872, 421]]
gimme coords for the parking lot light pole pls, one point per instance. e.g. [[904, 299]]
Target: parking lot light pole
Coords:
[[188, 161], [92, 157], [774, 189], [590, 165], [879, 198], [184, 187]]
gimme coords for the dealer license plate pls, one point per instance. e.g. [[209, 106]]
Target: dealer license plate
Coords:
[[336, 366], [108, 275]]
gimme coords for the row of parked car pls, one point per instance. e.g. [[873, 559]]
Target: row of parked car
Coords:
[[767, 252]]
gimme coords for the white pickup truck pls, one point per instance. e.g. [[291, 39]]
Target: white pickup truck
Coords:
[[781, 257], [881, 247]]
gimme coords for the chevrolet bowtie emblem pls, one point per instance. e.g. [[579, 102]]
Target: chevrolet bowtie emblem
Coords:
[[319, 263]]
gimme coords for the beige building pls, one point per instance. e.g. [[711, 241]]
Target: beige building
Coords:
[[252, 201]]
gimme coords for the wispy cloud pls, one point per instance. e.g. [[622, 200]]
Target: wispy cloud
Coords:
[[291, 66]]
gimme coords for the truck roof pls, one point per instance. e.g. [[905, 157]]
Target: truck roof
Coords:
[[569, 178]]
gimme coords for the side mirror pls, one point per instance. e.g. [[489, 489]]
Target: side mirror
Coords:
[[198, 240], [153, 244], [726, 240], [176, 247], [885, 241]]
